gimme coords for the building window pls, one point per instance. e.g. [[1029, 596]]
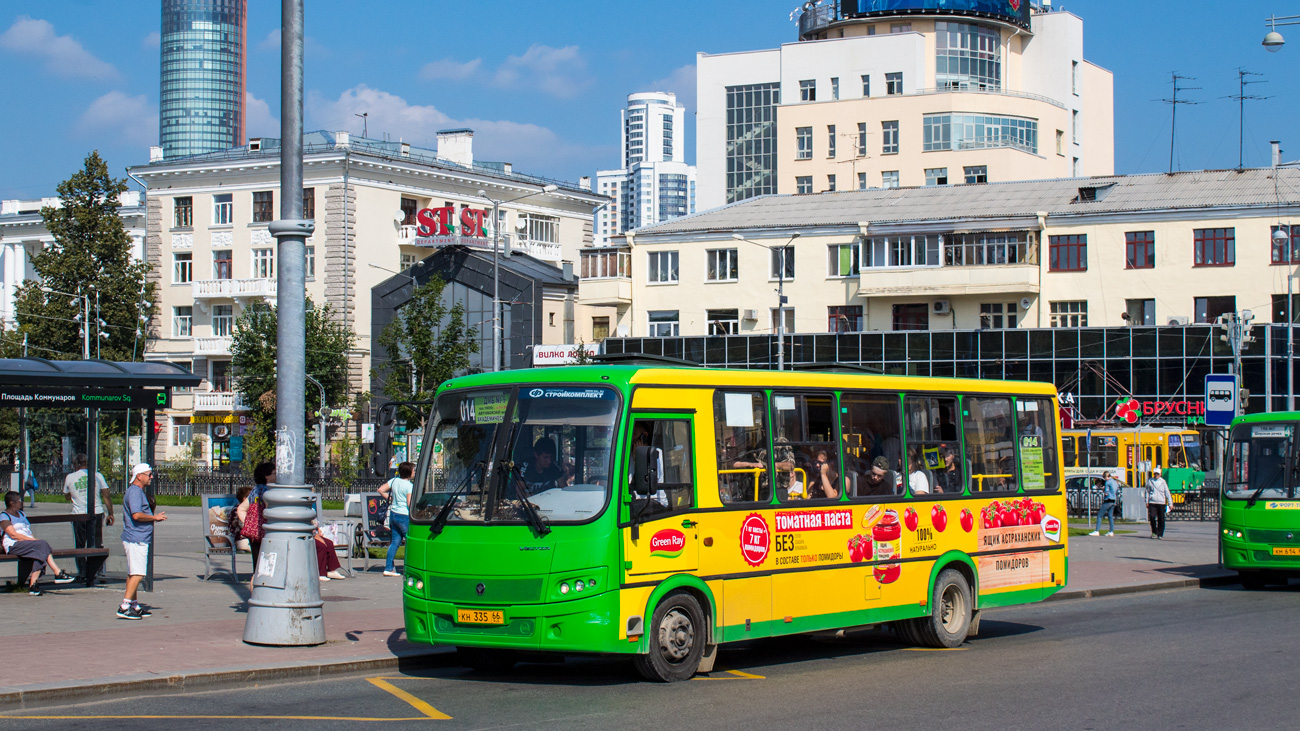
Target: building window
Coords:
[[808, 90], [830, 140], [1208, 309], [1068, 253], [1280, 308], [309, 204], [936, 176], [889, 137], [976, 174], [1215, 247], [866, 85], [844, 319], [599, 327], [916, 250], [605, 263], [182, 268], [219, 376], [889, 179], [263, 264], [183, 208], [723, 322], [862, 181], [842, 260], [782, 320], [782, 263], [830, 183], [967, 56], [862, 139], [1072, 313], [662, 267], [223, 321], [408, 261], [182, 322], [409, 207], [751, 140], [894, 83], [997, 316], [957, 131], [1285, 250], [1140, 312], [835, 87], [310, 268], [803, 184], [544, 229], [723, 266], [663, 324], [1060, 142], [1074, 77], [263, 206], [223, 209], [900, 27], [222, 264], [1074, 168], [803, 143], [1074, 126], [1140, 250], [912, 317]]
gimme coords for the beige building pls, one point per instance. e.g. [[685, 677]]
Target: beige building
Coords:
[[1102, 251], [897, 98], [379, 208]]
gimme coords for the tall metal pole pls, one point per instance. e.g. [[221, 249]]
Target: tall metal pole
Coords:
[[780, 313], [1290, 344], [285, 608], [496, 287]]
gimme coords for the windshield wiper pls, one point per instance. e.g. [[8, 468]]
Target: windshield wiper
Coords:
[[440, 519], [1250, 501], [521, 488]]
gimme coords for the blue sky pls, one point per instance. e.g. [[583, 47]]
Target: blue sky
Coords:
[[542, 83]]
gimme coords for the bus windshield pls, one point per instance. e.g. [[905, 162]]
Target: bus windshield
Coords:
[[1262, 462], [551, 446]]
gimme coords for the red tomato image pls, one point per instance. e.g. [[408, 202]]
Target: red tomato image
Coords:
[[939, 517], [887, 573], [910, 519], [1009, 518], [967, 520]]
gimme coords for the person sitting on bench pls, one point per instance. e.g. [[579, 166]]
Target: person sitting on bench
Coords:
[[19, 541]]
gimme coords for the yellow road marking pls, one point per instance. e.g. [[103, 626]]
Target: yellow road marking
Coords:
[[218, 718], [933, 649], [739, 674], [416, 703]]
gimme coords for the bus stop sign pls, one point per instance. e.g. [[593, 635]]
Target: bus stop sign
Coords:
[[1220, 399]]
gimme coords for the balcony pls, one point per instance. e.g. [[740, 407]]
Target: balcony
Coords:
[[234, 288], [212, 346], [219, 401], [543, 250], [950, 281], [612, 291]]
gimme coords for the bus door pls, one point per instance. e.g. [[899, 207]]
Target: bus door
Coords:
[[663, 521]]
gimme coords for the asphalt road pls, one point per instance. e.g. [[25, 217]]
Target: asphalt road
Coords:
[[1186, 659]]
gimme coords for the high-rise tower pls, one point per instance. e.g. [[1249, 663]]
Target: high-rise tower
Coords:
[[655, 183], [204, 65]]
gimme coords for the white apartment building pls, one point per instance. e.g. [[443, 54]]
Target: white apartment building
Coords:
[[906, 95], [23, 234], [654, 183], [379, 208]]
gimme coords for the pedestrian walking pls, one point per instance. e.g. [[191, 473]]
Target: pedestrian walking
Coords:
[[1159, 503], [1110, 493], [398, 492], [138, 520], [88, 534]]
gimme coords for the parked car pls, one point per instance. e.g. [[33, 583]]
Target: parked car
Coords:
[[1083, 493]]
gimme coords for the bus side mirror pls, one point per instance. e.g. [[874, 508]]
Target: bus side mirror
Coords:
[[646, 466]]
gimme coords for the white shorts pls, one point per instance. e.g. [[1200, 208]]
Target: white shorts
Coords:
[[137, 558]]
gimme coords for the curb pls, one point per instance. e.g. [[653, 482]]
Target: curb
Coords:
[[1202, 582]]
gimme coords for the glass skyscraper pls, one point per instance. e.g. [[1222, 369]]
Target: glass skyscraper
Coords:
[[204, 64]]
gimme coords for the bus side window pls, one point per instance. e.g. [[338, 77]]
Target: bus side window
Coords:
[[1036, 421], [806, 460], [870, 421], [1068, 452], [740, 430], [989, 445], [672, 439], [933, 455]]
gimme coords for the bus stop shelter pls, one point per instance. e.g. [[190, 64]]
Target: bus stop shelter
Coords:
[[93, 385]]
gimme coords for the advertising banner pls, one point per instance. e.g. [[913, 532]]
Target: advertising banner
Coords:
[[1014, 11]]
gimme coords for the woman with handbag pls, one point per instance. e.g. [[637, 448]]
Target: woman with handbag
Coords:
[[250, 510], [398, 492]]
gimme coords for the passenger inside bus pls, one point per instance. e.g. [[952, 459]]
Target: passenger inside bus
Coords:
[[918, 477], [880, 480], [542, 473], [741, 437]]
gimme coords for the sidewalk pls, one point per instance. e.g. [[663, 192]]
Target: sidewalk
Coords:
[[81, 650]]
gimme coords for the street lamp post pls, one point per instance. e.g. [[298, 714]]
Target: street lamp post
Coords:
[[780, 293], [321, 415], [92, 442], [1273, 41], [496, 266], [1282, 238]]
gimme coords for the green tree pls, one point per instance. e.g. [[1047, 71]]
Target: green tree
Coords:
[[91, 256], [427, 343], [581, 356], [259, 447]]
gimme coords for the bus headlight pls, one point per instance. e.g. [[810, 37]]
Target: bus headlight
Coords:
[[578, 585], [564, 587]]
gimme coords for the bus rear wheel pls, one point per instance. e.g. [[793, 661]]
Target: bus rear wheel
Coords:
[[677, 640], [487, 659], [948, 623]]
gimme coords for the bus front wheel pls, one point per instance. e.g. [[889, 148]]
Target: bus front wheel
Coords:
[[948, 623], [677, 642]]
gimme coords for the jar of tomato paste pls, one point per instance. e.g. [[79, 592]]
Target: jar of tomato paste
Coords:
[[888, 537]]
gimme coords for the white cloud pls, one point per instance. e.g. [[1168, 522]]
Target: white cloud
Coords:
[[130, 119], [560, 72], [388, 113], [680, 82], [62, 55], [449, 69], [271, 42], [258, 120], [151, 40]]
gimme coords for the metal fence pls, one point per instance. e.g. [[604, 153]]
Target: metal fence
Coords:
[[170, 481], [1192, 505]]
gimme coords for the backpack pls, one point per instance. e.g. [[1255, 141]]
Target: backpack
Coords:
[[252, 528]]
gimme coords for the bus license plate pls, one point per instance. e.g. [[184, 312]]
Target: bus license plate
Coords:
[[1286, 551], [480, 616]]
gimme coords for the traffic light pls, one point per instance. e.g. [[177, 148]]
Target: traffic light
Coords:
[[383, 447]]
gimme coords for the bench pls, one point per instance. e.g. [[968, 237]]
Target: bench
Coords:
[[95, 557], [373, 532]]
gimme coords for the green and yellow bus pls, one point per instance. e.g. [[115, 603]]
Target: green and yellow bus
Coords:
[[1177, 451], [659, 512], [1259, 524]]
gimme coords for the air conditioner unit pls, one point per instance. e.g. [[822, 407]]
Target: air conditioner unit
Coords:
[[942, 307], [254, 144], [1025, 302], [1179, 321], [751, 314]]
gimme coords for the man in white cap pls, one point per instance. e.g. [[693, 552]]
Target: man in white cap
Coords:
[[1159, 502], [137, 533]]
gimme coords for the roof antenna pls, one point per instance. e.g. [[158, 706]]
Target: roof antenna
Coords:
[[1241, 96], [1173, 104], [365, 130]]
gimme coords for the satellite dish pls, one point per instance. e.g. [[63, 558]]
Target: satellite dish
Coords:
[[1025, 302], [399, 216]]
